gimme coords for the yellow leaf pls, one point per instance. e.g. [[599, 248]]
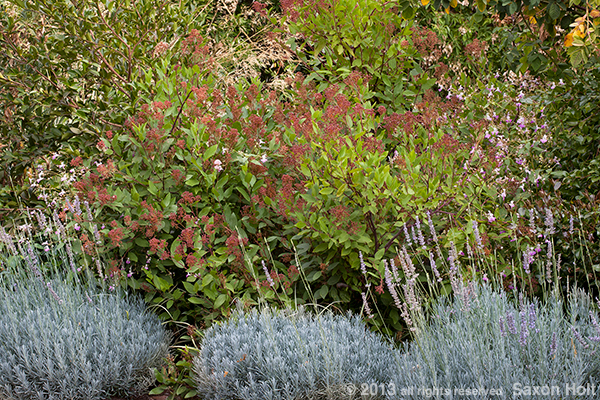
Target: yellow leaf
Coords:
[[453, 3], [481, 5], [532, 20], [447, 10], [594, 13], [569, 40], [425, 2]]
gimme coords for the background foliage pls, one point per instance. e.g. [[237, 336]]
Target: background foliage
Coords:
[[214, 151]]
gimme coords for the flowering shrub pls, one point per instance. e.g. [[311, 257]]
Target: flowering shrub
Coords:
[[69, 71], [334, 38], [206, 174], [186, 189], [541, 213]]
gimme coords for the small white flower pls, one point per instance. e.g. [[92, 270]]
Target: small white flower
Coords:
[[25, 227], [217, 165], [263, 159], [544, 139]]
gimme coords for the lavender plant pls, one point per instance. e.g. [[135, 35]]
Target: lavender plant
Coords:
[[483, 342], [63, 338], [290, 355]]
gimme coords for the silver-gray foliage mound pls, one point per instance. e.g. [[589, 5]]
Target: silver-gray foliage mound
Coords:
[[60, 340], [485, 346], [287, 355]]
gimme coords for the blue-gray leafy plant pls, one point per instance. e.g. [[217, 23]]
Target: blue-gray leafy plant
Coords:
[[61, 338], [290, 355], [484, 341], [481, 345], [64, 341]]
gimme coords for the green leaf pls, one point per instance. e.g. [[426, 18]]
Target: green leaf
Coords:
[[134, 194], [320, 45], [152, 188], [207, 280], [344, 237], [305, 170], [210, 151], [192, 182], [322, 292], [190, 287], [195, 300], [313, 276], [320, 248], [326, 191], [161, 284], [220, 300], [166, 201], [158, 390], [553, 11]]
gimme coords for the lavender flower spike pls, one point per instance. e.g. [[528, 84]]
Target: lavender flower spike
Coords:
[[434, 268], [269, 278], [510, 323], [549, 222], [394, 270], [5, 237], [391, 286], [477, 235], [366, 305], [419, 232], [431, 227], [527, 260], [532, 317], [54, 293], [571, 227], [32, 261], [524, 330], [553, 344], [579, 338], [502, 328], [406, 235], [363, 268]]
